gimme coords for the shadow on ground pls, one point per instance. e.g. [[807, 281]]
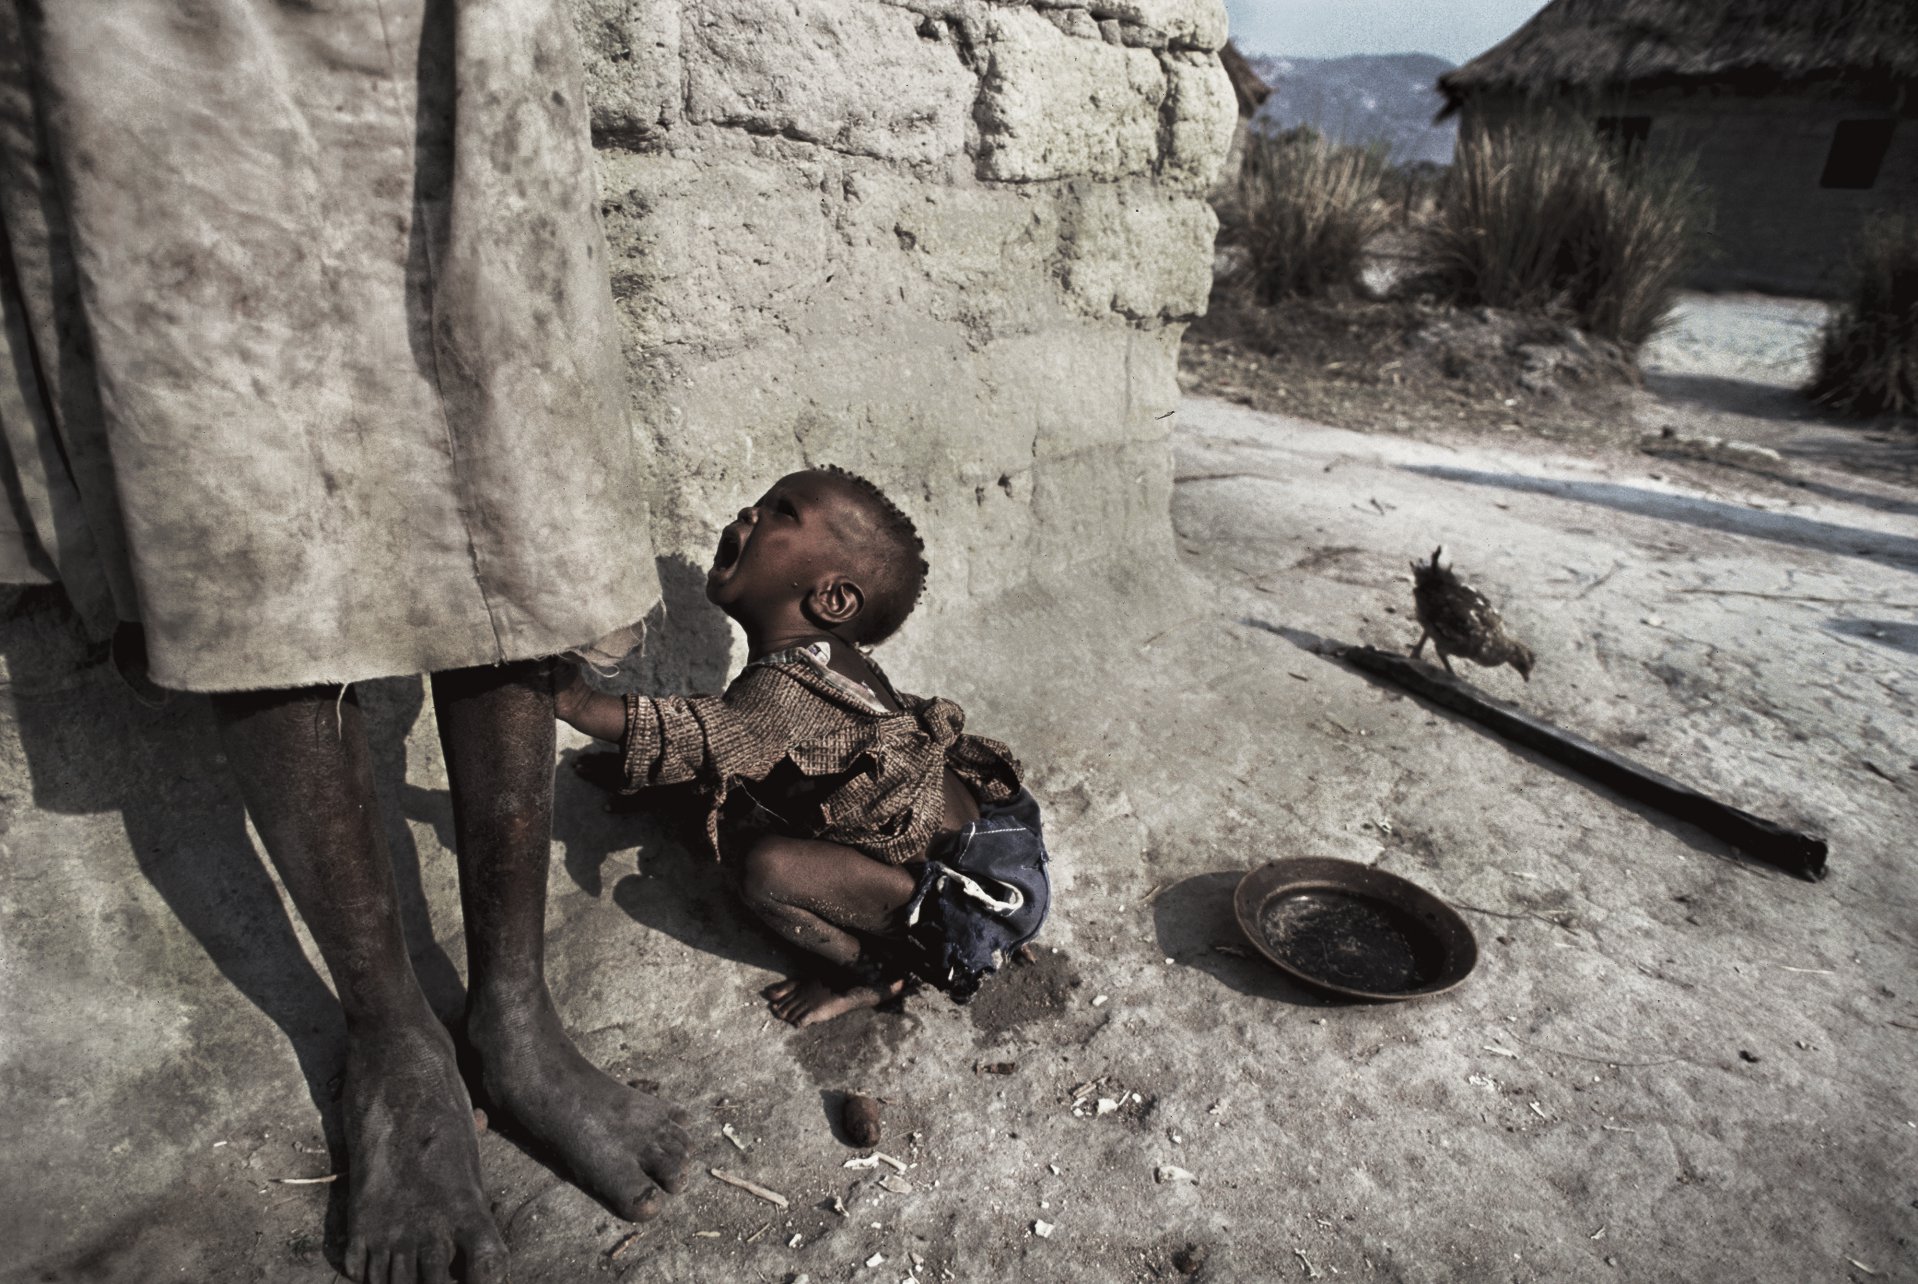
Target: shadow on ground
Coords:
[[1894, 634], [92, 746], [1780, 528], [1739, 396], [1197, 927]]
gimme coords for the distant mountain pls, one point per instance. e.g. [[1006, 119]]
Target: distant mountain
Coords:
[[1365, 98]]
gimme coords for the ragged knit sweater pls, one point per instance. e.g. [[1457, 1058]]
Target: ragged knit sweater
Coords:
[[790, 707]]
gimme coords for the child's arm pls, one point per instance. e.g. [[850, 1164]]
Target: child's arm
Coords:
[[599, 715], [663, 740]]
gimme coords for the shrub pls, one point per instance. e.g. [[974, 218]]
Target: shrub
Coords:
[[1302, 210], [1868, 350], [1544, 215]]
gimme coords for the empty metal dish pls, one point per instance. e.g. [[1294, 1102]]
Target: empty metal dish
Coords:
[[1354, 930]]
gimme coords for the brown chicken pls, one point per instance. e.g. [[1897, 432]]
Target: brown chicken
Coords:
[[1461, 622]]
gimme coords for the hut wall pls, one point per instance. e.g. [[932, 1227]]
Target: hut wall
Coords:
[[951, 245], [1773, 227]]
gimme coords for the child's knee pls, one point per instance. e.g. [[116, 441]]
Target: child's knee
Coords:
[[765, 874]]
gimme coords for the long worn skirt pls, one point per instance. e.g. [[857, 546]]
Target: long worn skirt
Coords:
[[309, 361]]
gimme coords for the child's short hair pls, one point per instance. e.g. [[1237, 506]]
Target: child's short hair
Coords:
[[896, 567]]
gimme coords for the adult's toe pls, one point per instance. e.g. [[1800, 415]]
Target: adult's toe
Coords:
[[436, 1263], [668, 1166], [483, 1259], [648, 1204]]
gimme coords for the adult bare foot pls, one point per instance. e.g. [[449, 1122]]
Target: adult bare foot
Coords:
[[627, 1147], [807, 1000], [414, 1208]]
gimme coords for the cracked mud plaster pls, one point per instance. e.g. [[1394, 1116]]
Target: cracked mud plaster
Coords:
[[934, 232]]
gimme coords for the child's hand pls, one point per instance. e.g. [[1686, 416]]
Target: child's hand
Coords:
[[599, 715], [568, 690]]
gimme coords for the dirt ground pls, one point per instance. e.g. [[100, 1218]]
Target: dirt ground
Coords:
[[1670, 1063]]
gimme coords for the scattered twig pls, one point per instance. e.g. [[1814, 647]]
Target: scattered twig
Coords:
[[1543, 916], [1815, 971], [1203, 477], [1595, 583], [753, 1188], [304, 1181], [1797, 597], [1311, 1271], [1602, 1061], [1148, 644], [754, 1237], [623, 1245]]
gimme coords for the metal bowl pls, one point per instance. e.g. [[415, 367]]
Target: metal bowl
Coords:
[[1354, 930]]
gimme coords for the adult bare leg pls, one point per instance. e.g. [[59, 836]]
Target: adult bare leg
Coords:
[[627, 1147], [414, 1202]]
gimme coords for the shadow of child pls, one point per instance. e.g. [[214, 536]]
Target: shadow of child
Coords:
[[1197, 926]]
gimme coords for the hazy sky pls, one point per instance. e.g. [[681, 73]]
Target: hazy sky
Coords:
[[1453, 29]]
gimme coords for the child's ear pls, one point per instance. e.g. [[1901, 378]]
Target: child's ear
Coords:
[[835, 602]]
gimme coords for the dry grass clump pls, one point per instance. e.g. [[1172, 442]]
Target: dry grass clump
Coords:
[[1543, 215], [1302, 210], [1868, 352]]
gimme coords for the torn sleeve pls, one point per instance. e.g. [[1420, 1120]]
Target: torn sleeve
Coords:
[[670, 739]]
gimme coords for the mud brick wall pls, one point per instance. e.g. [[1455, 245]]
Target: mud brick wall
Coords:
[[946, 243]]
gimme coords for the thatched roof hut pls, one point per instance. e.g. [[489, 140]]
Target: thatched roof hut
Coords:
[[1801, 115], [1867, 47]]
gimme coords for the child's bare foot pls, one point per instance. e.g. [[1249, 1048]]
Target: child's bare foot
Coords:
[[414, 1204], [627, 1147], [808, 1001]]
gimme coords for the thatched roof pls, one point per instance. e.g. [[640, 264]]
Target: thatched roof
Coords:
[[1755, 46], [1247, 84]]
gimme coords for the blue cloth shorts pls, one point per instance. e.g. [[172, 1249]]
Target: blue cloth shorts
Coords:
[[983, 894]]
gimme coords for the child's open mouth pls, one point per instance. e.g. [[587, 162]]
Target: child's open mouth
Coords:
[[731, 541]]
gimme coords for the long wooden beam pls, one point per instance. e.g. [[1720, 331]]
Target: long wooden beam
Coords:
[[1761, 839]]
